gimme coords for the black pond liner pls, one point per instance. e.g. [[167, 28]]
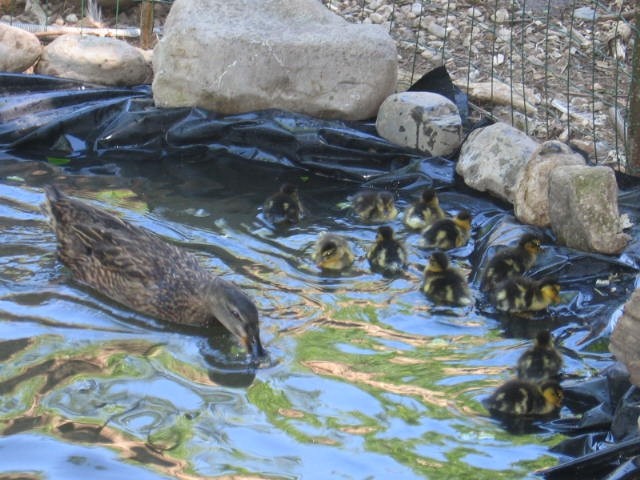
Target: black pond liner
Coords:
[[50, 119]]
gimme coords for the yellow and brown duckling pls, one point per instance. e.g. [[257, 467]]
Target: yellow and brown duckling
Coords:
[[520, 397], [542, 361], [138, 269], [388, 254], [283, 207], [445, 284], [523, 294], [332, 252], [423, 212], [374, 206], [511, 261], [448, 233]]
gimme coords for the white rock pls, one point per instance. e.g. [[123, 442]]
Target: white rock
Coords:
[[19, 49], [435, 29], [385, 11], [71, 18], [585, 13], [531, 201], [583, 209], [492, 159], [425, 121], [501, 15], [417, 9], [235, 56], [106, 61]]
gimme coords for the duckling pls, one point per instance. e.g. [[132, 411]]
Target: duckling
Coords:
[[523, 294], [374, 206], [424, 212], [540, 362], [332, 252], [448, 233], [387, 254], [444, 283], [519, 397], [283, 207], [136, 268], [511, 261]]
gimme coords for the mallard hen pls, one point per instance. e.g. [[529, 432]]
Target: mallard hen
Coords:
[[136, 268]]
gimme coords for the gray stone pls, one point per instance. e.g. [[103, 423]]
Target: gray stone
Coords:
[[19, 49], [531, 200], [626, 337], [234, 56], [583, 209], [492, 159], [106, 61], [425, 121]]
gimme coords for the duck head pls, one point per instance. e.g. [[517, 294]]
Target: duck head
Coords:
[[531, 243], [550, 290], [385, 204], [552, 392], [237, 313], [463, 220], [438, 262], [429, 197], [544, 339]]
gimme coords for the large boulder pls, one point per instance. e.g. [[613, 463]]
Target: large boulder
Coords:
[[425, 121], [19, 49], [531, 200], [583, 209], [234, 56], [626, 337], [106, 61], [492, 159]]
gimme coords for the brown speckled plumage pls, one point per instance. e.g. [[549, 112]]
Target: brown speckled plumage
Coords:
[[135, 267]]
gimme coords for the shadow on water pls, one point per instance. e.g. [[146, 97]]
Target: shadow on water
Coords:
[[365, 378]]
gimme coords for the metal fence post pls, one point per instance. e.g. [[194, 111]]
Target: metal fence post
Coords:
[[146, 24]]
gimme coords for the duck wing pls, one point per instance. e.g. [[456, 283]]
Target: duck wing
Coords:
[[116, 251]]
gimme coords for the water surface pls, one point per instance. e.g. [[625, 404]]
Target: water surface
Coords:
[[366, 379]]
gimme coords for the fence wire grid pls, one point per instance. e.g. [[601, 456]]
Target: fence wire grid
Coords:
[[556, 69], [561, 69]]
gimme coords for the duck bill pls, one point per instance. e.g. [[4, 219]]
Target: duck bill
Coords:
[[254, 347]]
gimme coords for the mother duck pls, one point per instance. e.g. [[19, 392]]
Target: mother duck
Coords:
[[136, 268]]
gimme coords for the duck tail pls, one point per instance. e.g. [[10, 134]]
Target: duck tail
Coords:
[[53, 193], [48, 208]]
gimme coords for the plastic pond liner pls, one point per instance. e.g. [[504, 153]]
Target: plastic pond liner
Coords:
[[366, 377]]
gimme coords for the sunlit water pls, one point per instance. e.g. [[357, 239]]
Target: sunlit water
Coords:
[[365, 378]]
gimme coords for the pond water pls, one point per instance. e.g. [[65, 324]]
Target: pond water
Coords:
[[365, 379]]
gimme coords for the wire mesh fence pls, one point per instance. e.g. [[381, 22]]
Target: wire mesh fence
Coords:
[[560, 69], [556, 69]]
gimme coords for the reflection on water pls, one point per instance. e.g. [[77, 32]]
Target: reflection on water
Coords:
[[365, 380]]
